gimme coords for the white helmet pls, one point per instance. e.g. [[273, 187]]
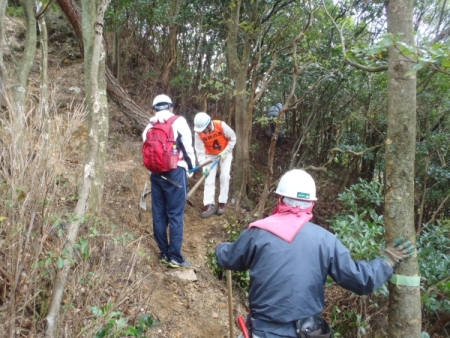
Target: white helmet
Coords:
[[162, 102], [297, 184], [201, 121]]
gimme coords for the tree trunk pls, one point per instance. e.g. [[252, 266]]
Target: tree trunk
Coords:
[[115, 90], [73, 14], [116, 56], [3, 70], [94, 163], [173, 32], [43, 93], [238, 66], [404, 301], [29, 53]]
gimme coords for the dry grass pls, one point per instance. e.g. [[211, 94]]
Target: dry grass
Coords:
[[39, 160], [33, 150]]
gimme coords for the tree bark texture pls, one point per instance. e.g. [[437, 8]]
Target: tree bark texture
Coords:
[[43, 97], [26, 62], [115, 91], [173, 41], [404, 301], [3, 70]]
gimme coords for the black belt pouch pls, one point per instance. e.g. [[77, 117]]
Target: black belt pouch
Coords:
[[313, 327]]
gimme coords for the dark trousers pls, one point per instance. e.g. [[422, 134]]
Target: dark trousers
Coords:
[[168, 204], [272, 126]]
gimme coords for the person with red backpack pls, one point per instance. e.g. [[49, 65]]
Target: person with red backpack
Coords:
[[168, 154]]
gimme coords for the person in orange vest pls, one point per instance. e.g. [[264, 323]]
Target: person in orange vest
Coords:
[[214, 139]]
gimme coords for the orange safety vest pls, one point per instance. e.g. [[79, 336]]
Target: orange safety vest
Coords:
[[215, 142]]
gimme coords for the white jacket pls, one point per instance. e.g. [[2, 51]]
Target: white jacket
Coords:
[[181, 132]]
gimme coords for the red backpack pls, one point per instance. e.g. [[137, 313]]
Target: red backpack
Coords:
[[156, 150]]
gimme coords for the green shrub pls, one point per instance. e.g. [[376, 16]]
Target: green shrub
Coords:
[[116, 325], [15, 11], [241, 278], [360, 228], [434, 263]]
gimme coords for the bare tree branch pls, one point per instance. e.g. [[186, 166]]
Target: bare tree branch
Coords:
[[350, 62]]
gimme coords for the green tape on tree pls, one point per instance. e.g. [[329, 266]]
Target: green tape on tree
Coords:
[[405, 280]]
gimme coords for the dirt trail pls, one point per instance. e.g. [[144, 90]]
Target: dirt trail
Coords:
[[183, 308]]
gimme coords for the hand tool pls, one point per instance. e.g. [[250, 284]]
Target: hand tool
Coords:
[[241, 323], [178, 185], [195, 187], [230, 303], [145, 192], [200, 166]]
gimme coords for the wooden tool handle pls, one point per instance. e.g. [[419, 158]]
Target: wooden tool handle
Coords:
[[195, 187]]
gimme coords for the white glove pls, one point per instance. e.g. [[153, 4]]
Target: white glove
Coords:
[[397, 252], [189, 175], [223, 154]]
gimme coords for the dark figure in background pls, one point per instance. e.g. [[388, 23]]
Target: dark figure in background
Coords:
[[272, 115]]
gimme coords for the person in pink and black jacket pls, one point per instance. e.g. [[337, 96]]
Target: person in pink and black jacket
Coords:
[[289, 259]]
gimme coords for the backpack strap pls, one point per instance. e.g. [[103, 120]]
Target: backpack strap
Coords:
[[172, 119]]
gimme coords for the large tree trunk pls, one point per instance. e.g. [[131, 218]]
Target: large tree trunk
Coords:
[[404, 301], [115, 90]]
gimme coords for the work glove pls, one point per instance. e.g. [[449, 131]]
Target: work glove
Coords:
[[223, 154], [397, 252], [206, 171]]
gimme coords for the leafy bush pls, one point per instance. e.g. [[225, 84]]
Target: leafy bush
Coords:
[[242, 278], [116, 324], [434, 263], [361, 229]]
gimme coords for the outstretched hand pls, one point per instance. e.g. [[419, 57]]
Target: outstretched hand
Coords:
[[397, 252]]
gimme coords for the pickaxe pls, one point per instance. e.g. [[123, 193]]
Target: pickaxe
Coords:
[[195, 187]]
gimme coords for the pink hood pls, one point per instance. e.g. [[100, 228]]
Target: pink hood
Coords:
[[285, 221]]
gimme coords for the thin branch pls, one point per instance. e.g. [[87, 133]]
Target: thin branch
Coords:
[[350, 62], [439, 209], [296, 102], [338, 150], [435, 285]]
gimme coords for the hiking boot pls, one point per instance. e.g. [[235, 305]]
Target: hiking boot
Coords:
[[209, 210], [221, 209], [174, 264], [164, 259]]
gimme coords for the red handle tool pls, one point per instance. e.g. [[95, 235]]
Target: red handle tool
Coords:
[[242, 326]]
